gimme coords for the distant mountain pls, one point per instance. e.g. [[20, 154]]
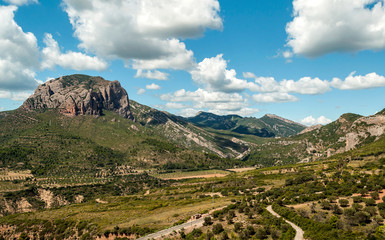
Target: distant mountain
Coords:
[[267, 126]]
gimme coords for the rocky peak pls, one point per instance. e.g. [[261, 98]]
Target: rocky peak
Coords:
[[80, 95]]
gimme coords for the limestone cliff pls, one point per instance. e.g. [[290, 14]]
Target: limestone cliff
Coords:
[[80, 95]]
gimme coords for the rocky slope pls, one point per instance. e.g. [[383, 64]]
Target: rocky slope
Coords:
[[80, 95], [348, 132]]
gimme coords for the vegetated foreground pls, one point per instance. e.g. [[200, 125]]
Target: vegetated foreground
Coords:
[[334, 199]]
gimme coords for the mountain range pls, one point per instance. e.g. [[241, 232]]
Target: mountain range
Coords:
[[78, 121]]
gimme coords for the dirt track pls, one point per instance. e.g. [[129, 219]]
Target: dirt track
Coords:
[[299, 231]]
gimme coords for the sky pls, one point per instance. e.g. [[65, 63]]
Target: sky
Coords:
[[308, 61]]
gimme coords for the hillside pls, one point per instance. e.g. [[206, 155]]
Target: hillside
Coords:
[[350, 132], [267, 126]]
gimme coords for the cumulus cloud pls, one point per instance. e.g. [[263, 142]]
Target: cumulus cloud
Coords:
[[353, 82], [173, 105], [153, 86], [275, 97], [321, 27], [310, 120], [20, 2], [140, 91], [212, 101], [15, 96], [52, 56], [305, 85], [213, 74], [19, 54], [147, 31], [158, 75]]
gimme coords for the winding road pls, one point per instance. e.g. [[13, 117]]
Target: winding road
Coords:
[[191, 224], [299, 231], [199, 223]]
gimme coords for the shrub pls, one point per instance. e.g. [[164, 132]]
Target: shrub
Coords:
[[207, 221], [343, 202], [217, 228]]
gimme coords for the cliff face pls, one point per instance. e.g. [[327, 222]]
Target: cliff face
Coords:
[[81, 95]]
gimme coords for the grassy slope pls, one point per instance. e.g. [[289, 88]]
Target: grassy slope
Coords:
[[51, 143]]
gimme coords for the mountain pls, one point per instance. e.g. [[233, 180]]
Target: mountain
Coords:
[[82, 124], [267, 126], [349, 133]]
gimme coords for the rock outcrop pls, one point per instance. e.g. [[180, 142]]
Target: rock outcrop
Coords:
[[81, 95]]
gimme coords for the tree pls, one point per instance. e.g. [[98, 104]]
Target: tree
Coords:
[[362, 217], [375, 195], [224, 236], [343, 202], [370, 202], [207, 221], [217, 228], [237, 227]]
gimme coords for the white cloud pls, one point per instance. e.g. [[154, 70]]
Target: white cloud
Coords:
[[214, 75], [275, 97], [20, 2], [370, 80], [216, 102], [265, 84], [321, 27], [189, 112], [19, 54], [140, 91], [151, 74], [147, 31], [202, 95], [153, 86], [52, 56], [241, 112], [173, 105], [15, 96], [310, 120], [287, 54], [305, 85]]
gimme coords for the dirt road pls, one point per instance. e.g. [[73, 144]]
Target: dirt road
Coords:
[[192, 224], [299, 234]]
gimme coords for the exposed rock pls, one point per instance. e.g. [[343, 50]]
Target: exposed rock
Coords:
[[80, 95], [47, 197], [24, 206], [79, 199]]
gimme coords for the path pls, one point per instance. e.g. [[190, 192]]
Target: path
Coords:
[[299, 231], [194, 223]]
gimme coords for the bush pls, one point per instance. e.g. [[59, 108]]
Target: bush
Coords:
[[217, 228], [237, 227], [343, 202], [357, 199], [375, 195], [370, 202], [207, 221]]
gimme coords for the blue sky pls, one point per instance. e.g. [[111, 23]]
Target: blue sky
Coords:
[[308, 61]]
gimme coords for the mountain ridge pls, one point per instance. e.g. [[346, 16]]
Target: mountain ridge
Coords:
[[269, 125]]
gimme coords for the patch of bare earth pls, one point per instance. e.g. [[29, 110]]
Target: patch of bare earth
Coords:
[[197, 176]]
